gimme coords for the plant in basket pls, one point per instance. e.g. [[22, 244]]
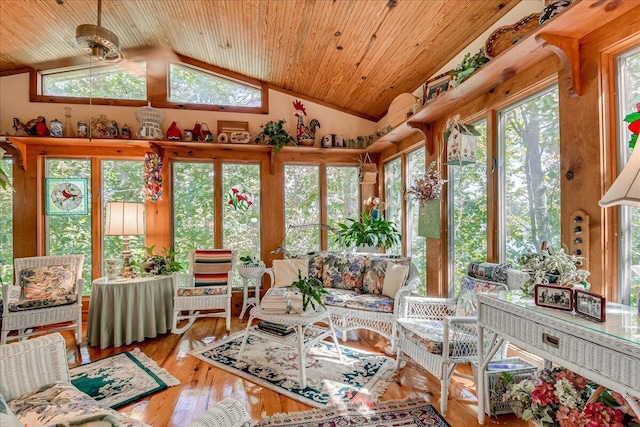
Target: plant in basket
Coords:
[[560, 397], [251, 267]]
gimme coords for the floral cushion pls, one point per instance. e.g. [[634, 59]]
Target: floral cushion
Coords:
[[202, 291], [354, 299], [21, 305], [343, 271], [374, 272], [61, 404], [47, 282], [430, 333], [469, 287], [316, 263]]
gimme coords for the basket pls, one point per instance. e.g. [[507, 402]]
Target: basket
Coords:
[[250, 271], [494, 389]]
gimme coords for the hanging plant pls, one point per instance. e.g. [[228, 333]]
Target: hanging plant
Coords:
[[239, 197], [152, 177]]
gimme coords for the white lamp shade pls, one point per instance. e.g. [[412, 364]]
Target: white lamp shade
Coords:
[[626, 188], [124, 219]]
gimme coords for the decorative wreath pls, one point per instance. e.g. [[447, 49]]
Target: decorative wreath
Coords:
[[239, 197], [152, 177]]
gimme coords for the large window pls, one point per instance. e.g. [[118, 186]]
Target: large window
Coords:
[[71, 234], [6, 224], [241, 210], [193, 221], [343, 198], [416, 245], [122, 182], [188, 85], [529, 144], [98, 81], [302, 208], [393, 190], [629, 250], [467, 188]]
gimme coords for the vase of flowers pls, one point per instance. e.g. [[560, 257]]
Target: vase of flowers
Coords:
[[427, 191], [560, 397]]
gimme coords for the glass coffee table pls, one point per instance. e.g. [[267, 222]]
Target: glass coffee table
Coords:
[[305, 333]]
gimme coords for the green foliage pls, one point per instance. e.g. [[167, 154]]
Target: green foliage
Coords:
[[157, 263], [394, 191], [249, 260], [343, 196], [370, 231], [302, 206], [275, 134], [468, 65], [311, 289]]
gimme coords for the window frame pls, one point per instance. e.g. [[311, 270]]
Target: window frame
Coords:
[[157, 85]]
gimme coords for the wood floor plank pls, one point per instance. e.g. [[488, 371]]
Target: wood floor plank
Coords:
[[202, 384]]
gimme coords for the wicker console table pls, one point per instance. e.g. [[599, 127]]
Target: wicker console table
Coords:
[[607, 353]]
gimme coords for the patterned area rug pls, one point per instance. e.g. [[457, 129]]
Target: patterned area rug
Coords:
[[412, 413], [361, 376], [122, 378]]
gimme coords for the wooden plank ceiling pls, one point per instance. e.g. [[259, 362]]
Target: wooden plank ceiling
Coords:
[[356, 55]]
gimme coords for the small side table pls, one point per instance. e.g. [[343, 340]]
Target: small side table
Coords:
[[251, 276]]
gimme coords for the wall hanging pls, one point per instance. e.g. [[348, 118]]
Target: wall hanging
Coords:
[[427, 191], [152, 177], [368, 171], [462, 142]]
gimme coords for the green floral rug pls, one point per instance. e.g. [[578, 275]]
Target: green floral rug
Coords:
[[360, 377], [407, 413], [122, 378]]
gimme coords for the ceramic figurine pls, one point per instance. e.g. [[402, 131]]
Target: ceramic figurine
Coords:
[[305, 135], [126, 131], [19, 127], [82, 129], [55, 127]]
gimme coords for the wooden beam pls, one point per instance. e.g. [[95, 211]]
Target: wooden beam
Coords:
[[568, 50]]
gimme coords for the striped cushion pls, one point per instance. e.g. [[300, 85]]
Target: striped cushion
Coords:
[[211, 267]]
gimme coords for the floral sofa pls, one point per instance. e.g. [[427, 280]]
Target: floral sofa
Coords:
[[364, 288], [35, 390]]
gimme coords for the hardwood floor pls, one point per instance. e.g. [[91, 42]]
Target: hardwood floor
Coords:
[[202, 384]]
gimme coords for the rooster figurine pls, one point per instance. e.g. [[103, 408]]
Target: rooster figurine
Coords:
[[305, 135]]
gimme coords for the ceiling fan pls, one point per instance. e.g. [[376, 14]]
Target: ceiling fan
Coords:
[[98, 42]]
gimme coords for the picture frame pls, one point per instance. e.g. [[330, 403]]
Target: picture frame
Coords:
[[556, 297], [590, 305], [66, 196], [435, 87]]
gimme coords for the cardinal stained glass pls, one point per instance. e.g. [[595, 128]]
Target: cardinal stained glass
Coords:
[[66, 196]]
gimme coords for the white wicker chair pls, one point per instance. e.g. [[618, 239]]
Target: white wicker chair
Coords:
[[25, 320], [207, 286], [420, 321]]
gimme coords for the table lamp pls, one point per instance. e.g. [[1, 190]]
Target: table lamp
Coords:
[[124, 219], [625, 190]]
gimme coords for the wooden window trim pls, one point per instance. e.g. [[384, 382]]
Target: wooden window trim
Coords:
[[157, 89]]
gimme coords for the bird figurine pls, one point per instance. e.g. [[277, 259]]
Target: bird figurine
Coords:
[[306, 135], [19, 127]]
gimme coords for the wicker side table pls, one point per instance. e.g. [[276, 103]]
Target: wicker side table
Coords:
[[251, 275]]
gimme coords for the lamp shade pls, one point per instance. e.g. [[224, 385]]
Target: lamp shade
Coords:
[[625, 190], [124, 219]]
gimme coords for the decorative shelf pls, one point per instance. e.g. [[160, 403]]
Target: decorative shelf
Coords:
[[559, 35]]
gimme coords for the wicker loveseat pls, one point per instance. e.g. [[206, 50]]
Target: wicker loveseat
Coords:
[[35, 390], [359, 296]]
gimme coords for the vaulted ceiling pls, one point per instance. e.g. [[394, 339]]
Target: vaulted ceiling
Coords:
[[355, 55]]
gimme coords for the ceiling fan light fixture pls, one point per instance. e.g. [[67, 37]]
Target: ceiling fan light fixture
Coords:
[[99, 42]]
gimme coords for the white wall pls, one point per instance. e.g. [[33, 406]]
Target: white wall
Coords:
[[14, 102]]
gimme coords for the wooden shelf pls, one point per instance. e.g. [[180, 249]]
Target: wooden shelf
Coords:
[[559, 35]]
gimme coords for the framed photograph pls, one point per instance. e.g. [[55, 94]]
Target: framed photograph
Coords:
[[435, 86], [590, 305], [554, 297], [66, 196]]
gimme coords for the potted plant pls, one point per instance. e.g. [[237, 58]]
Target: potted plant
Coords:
[[160, 263], [550, 266], [468, 66], [275, 134], [311, 290], [369, 231], [251, 267]]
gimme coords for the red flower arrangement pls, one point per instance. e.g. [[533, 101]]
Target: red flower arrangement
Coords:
[[239, 197]]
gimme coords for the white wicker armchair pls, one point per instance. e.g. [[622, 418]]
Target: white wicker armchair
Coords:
[[433, 336], [23, 315], [207, 286]]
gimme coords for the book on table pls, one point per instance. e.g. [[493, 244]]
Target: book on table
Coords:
[[275, 328], [276, 301]]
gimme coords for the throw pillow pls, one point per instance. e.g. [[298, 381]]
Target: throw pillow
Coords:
[[343, 271], [286, 270], [51, 281], [375, 270], [394, 278]]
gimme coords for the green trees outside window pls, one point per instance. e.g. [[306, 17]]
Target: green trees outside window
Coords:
[[393, 187], [302, 206], [467, 188], [416, 246], [530, 150], [343, 198], [71, 234], [6, 226], [193, 222]]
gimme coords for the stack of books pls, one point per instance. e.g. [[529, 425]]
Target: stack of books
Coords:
[[275, 328], [276, 301]]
